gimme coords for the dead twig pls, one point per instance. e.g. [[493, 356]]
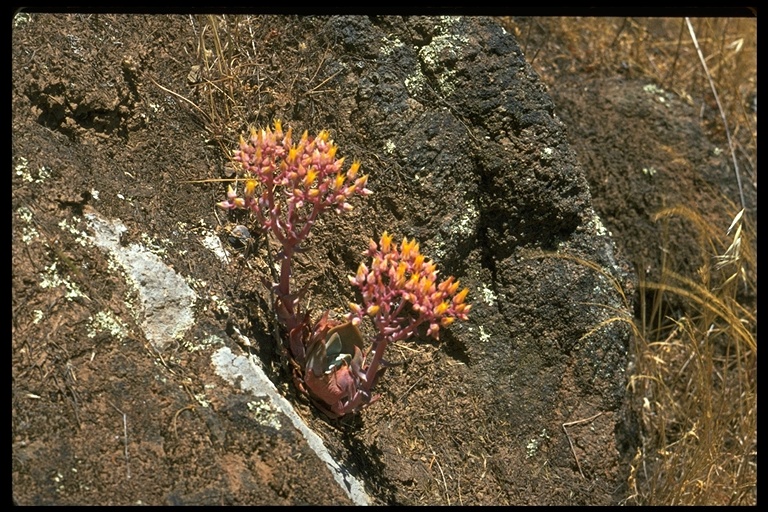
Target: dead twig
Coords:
[[125, 441], [570, 442], [719, 107], [192, 103], [315, 89], [439, 467], [175, 417], [69, 381], [410, 388], [447, 496]]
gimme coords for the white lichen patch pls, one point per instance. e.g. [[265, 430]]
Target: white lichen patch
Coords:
[[106, 321], [596, 226], [484, 336], [653, 89], [468, 220], [213, 243], [265, 413], [415, 83], [388, 46], [444, 47], [453, 229], [52, 276], [29, 232], [37, 315], [660, 94], [533, 445], [70, 226], [205, 343], [488, 295], [155, 245], [21, 166], [219, 304], [389, 147], [446, 82], [196, 284], [23, 171], [52, 279], [202, 400], [24, 214]]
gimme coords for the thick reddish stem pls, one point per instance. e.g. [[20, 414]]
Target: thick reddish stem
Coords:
[[380, 346]]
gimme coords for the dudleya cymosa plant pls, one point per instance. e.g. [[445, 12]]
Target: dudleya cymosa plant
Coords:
[[287, 185]]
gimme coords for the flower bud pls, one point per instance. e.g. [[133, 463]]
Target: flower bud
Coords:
[[459, 298], [352, 172]]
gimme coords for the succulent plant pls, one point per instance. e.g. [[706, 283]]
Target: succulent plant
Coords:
[[287, 185]]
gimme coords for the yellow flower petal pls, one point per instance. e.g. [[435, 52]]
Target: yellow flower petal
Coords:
[[386, 242]]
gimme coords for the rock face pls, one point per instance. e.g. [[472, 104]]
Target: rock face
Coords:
[[522, 404], [489, 181]]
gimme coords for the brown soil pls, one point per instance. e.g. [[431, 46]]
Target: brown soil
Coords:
[[103, 413]]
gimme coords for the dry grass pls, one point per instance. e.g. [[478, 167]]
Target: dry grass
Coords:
[[695, 381], [695, 378], [663, 51], [227, 81], [250, 72]]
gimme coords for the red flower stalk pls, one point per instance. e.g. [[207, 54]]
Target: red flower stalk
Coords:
[[400, 292], [287, 185]]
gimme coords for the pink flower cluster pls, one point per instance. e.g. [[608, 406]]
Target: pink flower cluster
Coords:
[[400, 292], [401, 277], [287, 184]]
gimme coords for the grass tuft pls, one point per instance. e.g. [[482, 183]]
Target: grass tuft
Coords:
[[694, 383]]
